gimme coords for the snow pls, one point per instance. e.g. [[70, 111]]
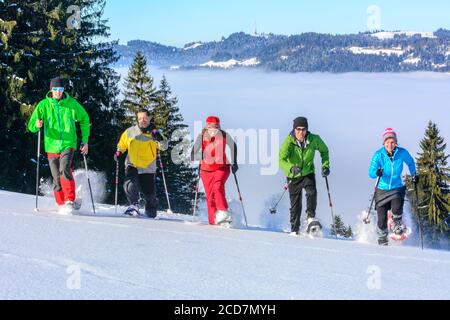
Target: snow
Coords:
[[193, 46], [376, 51], [391, 35], [231, 63], [412, 60], [284, 57], [49, 256]]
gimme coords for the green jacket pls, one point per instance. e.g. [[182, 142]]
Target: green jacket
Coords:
[[291, 154], [59, 123]]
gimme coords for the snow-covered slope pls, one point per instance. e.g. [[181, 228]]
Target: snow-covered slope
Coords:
[[391, 35], [47, 256]]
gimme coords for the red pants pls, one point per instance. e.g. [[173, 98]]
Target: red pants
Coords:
[[63, 181], [214, 183]]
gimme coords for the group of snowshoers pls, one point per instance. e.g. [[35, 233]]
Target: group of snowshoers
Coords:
[[59, 112]]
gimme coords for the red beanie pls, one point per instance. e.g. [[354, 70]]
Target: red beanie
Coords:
[[213, 120], [389, 133]]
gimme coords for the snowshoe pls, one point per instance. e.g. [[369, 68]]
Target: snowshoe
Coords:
[[223, 219], [294, 234], [67, 209], [383, 242], [142, 202], [314, 227], [398, 231], [77, 204], [132, 211]]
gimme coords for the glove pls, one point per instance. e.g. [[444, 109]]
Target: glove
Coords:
[[296, 170], [415, 179], [117, 156], [380, 172], [234, 168], [325, 172]]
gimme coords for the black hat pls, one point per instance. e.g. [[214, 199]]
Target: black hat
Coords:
[[301, 122], [57, 83]]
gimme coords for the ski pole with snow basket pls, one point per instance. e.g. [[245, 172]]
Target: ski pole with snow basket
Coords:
[[89, 182], [196, 194], [331, 203], [36, 209], [240, 199], [286, 188], [169, 211], [117, 186], [418, 214], [367, 219]]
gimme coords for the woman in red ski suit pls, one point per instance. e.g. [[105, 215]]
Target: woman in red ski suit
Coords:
[[210, 150]]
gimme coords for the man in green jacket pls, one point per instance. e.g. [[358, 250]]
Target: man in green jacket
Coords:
[[58, 113], [296, 159]]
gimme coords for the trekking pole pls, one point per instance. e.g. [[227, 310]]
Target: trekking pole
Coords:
[[240, 199], [367, 219], [196, 194], [418, 215], [331, 204], [117, 185], [169, 211], [274, 209], [89, 182], [36, 209]]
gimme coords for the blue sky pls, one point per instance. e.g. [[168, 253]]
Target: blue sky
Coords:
[[177, 22]]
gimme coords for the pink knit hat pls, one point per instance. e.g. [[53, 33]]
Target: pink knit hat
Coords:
[[389, 133]]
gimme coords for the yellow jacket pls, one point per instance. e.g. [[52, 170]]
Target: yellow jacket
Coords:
[[142, 149]]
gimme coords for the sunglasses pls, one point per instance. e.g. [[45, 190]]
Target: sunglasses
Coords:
[[57, 89], [301, 129]]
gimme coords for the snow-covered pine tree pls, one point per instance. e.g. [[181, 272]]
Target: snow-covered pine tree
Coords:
[[139, 90], [349, 232], [434, 190], [338, 227], [181, 177]]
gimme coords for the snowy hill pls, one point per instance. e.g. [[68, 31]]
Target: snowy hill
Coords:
[[306, 52], [48, 256]]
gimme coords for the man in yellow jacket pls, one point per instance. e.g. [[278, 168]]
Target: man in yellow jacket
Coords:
[[142, 142]]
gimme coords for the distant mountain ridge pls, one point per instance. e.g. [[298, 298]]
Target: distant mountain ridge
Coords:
[[382, 51]]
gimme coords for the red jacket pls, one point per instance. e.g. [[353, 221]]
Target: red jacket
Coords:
[[211, 151]]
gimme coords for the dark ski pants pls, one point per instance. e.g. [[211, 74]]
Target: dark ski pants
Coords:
[[296, 192], [396, 206], [136, 183], [63, 182]]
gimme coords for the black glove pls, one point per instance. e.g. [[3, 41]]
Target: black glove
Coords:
[[234, 168], [296, 170], [380, 172], [325, 172], [117, 156], [415, 179]]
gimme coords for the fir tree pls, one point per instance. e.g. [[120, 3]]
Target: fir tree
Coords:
[[139, 91], [181, 177], [349, 233], [338, 227], [433, 187]]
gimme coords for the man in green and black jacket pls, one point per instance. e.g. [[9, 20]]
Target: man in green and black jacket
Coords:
[[296, 159], [57, 114]]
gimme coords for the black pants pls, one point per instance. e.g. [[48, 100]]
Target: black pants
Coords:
[[61, 167], [396, 206], [296, 192], [136, 183]]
